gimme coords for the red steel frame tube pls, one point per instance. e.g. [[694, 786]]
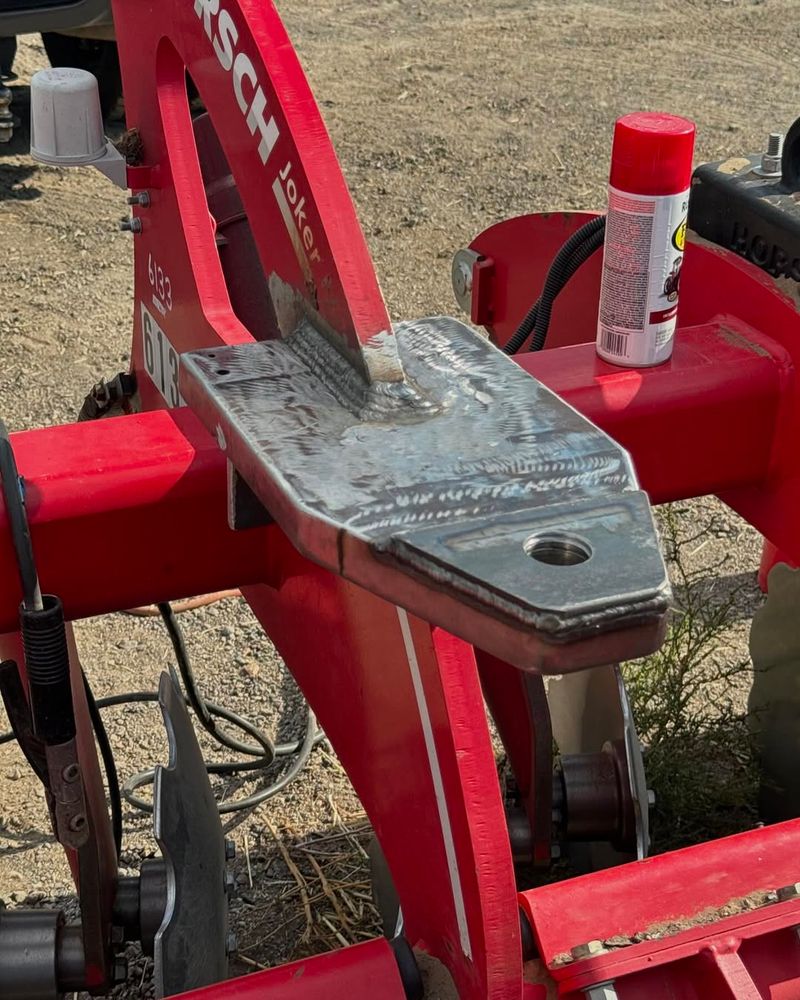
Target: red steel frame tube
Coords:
[[126, 511], [701, 425]]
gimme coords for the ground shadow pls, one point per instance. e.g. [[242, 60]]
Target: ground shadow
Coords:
[[13, 176]]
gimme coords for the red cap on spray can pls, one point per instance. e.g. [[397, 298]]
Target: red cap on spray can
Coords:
[[652, 153]]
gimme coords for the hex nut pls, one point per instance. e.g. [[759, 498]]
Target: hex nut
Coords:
[[120, 970], [71, 773], [789, 892], [589, 949], [230, 884]]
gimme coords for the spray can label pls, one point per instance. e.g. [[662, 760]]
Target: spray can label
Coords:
[[644, 243]]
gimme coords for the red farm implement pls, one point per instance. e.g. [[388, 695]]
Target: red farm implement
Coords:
[[424, 525]]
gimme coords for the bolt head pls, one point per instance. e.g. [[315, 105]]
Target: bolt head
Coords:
[[789, 892], [117, 934], [230, 849], [71, 773], [461, 274], [462, 278], [555, 851], [651, 797], [231, 944], [588, 949], [77, 823], [230, 884], [120, 969]]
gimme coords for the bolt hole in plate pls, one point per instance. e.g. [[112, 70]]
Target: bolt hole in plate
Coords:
[[223, 371], [558, 549]]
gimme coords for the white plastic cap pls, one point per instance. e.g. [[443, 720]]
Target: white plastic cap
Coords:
[[66, 122]]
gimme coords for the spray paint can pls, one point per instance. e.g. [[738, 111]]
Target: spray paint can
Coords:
[[648, 198]]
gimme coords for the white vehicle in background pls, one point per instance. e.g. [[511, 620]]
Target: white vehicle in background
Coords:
[[76, 33]]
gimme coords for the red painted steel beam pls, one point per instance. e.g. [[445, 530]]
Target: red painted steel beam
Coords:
[[133, 509], [630, 898], [702, 423], [362, 972], [748, 957], [126, 511]]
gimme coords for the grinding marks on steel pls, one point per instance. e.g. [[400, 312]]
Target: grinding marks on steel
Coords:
[[450, 476]]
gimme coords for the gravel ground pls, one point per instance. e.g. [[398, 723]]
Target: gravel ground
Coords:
[[447, 117]]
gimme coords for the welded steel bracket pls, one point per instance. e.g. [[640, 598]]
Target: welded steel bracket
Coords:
[[467, 492]]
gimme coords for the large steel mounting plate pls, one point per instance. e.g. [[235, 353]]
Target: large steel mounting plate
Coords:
[[468, 493]]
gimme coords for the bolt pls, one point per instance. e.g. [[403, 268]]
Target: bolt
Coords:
[[771, 159], [462, 278], [651, 797], [230, 849], [140, 198], [230, 884], [603, 991], [117, 934], [77, 823], [775, 144], [131, 225], [71, 773], [231, 944], [588, 950], [120, 970], [788, 892], [6, 118], [555, 851]]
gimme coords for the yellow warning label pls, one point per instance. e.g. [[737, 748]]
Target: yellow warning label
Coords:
[[679, 237]]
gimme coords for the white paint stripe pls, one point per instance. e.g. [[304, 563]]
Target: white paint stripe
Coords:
[[438, 784], [294, 233]]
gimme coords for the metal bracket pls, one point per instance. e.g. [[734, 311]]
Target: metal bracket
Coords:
[[468, 493]]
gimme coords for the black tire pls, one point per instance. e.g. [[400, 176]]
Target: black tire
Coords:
[[98, 57]]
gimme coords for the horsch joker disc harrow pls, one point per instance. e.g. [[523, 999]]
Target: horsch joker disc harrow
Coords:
[[428, 520]]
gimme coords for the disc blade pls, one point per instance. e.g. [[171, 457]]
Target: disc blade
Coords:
[[588, 709], [190, 944]]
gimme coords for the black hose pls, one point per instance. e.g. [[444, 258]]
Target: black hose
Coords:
[[112, 778], [579, 257], [199, 706], [301, 751], [263, 750], [569, 258]]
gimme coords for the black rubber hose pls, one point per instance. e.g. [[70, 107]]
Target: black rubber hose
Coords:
[[265, 747], [112, 778], [560, 271], [301, 751], [579, 257]]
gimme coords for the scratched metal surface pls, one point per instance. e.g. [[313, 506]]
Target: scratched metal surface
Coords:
[[447, 474]]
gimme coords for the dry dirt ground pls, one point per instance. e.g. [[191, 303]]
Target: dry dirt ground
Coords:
[[447, 116]]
